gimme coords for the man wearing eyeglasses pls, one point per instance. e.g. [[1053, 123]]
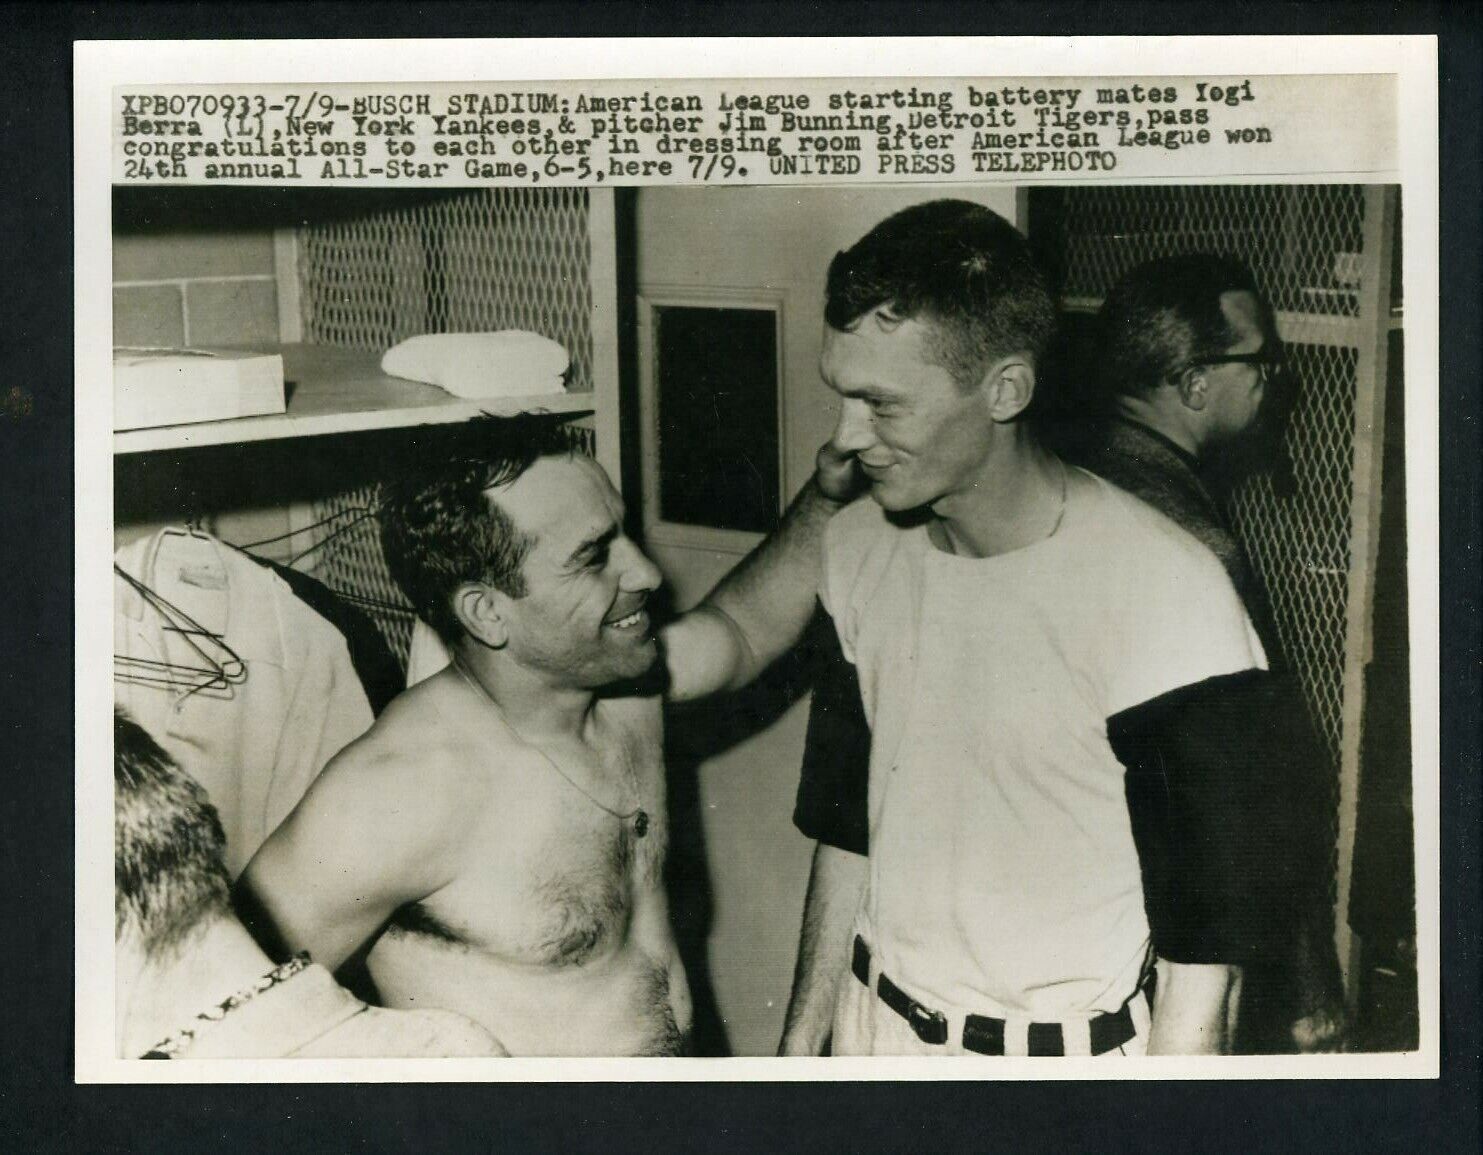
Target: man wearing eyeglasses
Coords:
[[1191, 371], [1190, 363]]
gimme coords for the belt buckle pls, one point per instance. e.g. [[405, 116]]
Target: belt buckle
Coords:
[[930, 1026]]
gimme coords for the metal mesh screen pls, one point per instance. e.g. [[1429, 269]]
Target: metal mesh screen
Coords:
[[1295, 239], [1300, 240], [351, 562], [1300, 545], [477, 260], [349, 559], [480, 260]]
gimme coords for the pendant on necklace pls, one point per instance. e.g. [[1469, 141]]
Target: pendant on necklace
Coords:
[[641, 824]]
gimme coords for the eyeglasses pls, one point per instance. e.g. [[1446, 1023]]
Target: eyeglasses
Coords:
[[1268, 363]]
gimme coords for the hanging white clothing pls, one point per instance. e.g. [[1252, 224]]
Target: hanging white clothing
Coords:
[[257, 745]]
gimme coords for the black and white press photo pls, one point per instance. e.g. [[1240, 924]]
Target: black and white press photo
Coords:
[[756, 578]]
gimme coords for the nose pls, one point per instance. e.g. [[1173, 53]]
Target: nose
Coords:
[[855, 431], [640, 575]]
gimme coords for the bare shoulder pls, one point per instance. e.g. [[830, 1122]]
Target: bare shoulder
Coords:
[[410, 770], [388, 821]]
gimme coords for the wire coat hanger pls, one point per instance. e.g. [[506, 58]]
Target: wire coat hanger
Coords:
[[221, 666]]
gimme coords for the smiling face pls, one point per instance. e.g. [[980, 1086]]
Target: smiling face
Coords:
[[582, 621], [917, 434]]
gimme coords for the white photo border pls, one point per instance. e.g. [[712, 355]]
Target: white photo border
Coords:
[[99, 67]]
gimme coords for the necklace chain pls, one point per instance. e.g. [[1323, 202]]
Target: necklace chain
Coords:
[[639, 815]]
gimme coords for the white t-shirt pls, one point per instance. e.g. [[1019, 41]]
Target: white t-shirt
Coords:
[[1004, 879]]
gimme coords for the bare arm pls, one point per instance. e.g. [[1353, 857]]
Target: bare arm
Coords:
[[834, 888], [367, 838], [1194, 1009], [759, 610]]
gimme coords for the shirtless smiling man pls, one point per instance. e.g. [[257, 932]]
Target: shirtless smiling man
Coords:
[[499, 834]]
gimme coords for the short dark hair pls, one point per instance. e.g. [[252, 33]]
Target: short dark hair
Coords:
[[169, 865], [438, 530], [1163, 316], [957, 264]]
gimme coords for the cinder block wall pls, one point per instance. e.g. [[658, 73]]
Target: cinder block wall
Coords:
[[194, 288]]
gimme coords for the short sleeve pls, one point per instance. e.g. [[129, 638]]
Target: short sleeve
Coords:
[[1182, 624], [858, 543]]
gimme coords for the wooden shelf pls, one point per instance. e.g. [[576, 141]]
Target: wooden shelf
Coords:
[[332, 390]]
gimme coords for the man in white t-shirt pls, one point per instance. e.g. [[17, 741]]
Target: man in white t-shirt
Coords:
[[1033, 649]]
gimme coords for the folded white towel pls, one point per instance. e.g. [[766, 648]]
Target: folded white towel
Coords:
[[510, 363]]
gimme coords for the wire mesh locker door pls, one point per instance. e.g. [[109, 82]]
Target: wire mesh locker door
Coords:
[[470, 261], [1324, 255]]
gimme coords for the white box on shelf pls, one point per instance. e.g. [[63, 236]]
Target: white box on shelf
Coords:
[[155, 387]]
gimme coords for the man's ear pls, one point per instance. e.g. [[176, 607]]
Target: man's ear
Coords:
[[1010, 387], [480, 610], [1192, 388]]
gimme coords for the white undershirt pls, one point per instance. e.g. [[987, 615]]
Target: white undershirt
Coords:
[[1003, 874]]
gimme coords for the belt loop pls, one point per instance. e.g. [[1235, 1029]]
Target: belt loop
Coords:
[[1014, 1036], [1017, 1037], [1076, 1037]]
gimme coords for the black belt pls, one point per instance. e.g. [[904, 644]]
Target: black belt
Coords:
[[985, 1035]]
